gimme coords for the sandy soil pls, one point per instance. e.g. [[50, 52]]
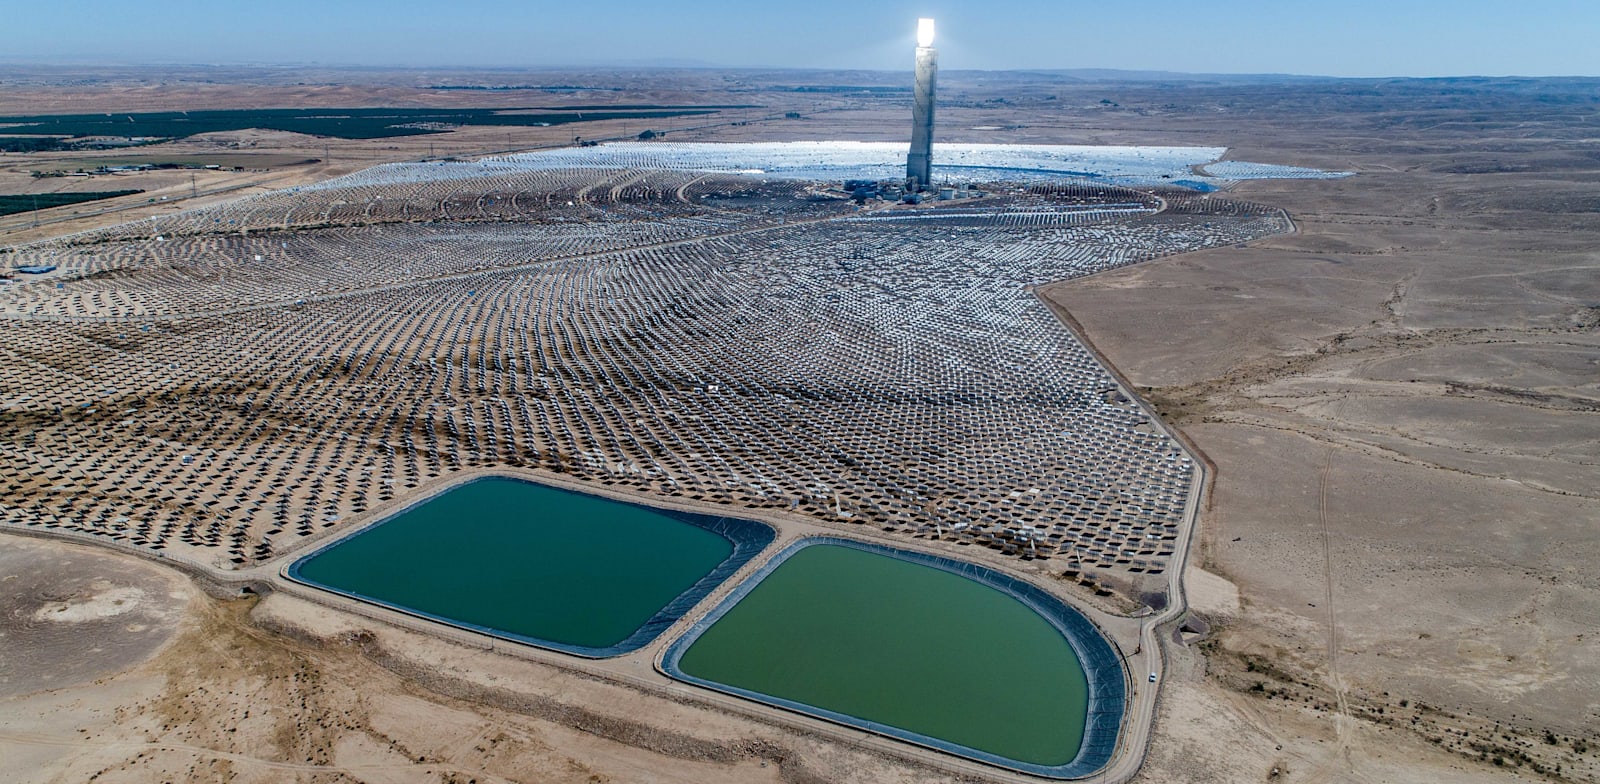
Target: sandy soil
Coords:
[[1399, 400], [70, 614], [283, 690]]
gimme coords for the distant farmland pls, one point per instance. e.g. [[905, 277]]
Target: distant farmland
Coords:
[[11, 203], [337, 123]]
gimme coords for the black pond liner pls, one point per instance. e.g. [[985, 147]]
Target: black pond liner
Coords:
[[749, 538], [1101, 665]]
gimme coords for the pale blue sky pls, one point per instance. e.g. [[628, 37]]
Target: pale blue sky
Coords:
[[1326, 37]]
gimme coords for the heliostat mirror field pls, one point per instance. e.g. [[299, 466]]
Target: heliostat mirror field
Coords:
[[226, 383]]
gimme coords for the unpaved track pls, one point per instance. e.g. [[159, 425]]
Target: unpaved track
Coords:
[[1337, 761]]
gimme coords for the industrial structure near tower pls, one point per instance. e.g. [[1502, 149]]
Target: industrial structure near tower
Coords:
[[919, 164]]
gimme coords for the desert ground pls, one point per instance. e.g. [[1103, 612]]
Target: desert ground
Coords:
[[1400, 402], [1393, 576]]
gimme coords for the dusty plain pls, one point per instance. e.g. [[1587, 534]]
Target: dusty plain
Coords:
[[1394, 579]]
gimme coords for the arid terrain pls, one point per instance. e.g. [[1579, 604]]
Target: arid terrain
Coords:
[[1400, 401], [1394, 574]]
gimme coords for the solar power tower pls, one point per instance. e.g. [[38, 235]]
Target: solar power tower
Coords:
[[919, 164]]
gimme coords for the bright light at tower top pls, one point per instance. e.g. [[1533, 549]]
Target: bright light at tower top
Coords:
[[924, 32]]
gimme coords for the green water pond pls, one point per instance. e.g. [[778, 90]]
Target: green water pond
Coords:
[[904, 645]]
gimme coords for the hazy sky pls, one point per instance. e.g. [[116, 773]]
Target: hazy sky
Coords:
[[1327, 37]]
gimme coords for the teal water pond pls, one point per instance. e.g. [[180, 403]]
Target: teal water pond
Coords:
[[538, 564]]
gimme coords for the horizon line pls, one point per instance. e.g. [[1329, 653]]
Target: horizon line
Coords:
[[666, 65]]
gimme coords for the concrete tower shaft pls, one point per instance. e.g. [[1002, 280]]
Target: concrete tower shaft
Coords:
[[919, 164]]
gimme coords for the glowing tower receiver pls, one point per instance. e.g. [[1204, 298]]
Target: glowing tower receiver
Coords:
[[919, 164]]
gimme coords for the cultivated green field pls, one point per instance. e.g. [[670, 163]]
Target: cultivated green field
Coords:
[[338, 123], [12, 203]]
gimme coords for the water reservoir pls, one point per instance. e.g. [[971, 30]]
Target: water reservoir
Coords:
[[928, 649], [535, 564]]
